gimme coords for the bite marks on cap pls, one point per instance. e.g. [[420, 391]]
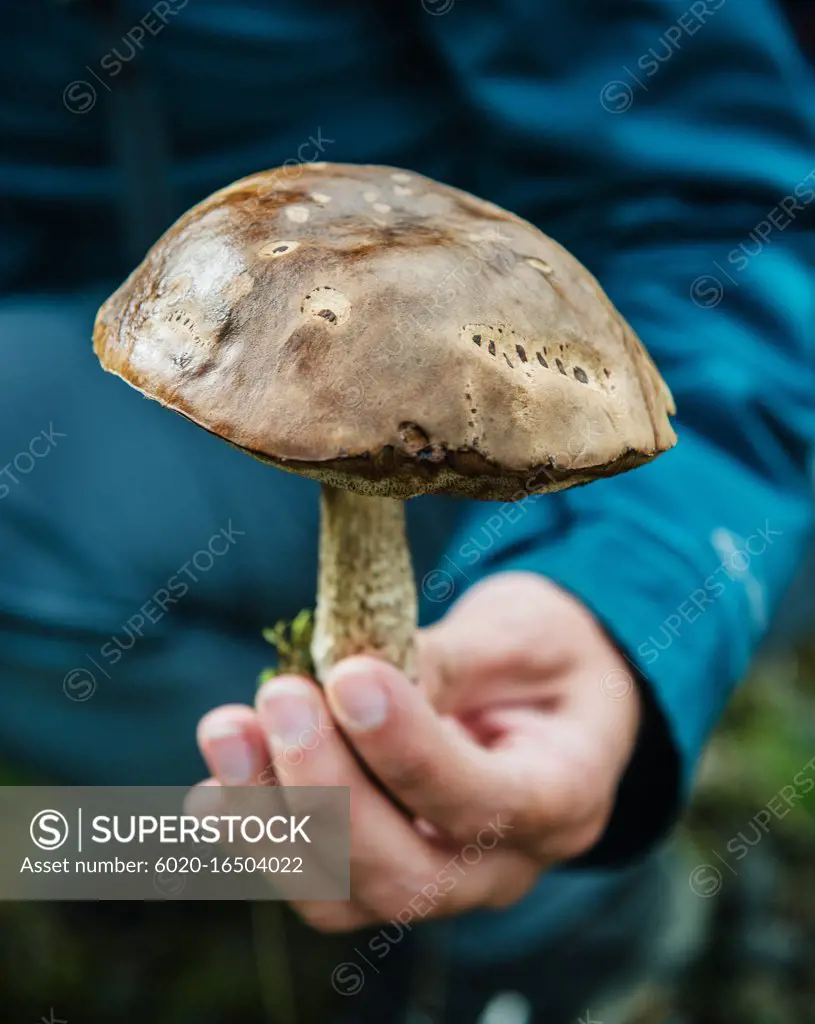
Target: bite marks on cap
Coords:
[[473, 416], [273, 250], [328, 304], [413, 437], [514, 352], [416, 442], [177, 336]]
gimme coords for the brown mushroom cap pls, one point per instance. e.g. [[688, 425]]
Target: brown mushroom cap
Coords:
[[377, 330]]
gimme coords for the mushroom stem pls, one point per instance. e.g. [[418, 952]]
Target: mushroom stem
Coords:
[[366, 592]]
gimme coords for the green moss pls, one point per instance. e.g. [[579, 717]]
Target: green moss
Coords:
[[292, 641]]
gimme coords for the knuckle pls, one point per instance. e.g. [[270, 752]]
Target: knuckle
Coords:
[[388, 896], [411, 774], [580, 840], [515, 888], [526, 821], [467, 828]]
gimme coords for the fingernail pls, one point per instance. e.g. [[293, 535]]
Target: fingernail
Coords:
[[288, 712], [230, 754], [357, 697]]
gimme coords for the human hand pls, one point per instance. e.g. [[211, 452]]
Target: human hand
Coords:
[[511, 747]]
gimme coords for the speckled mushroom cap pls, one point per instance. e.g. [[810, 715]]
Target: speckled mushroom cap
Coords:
[[375, 329]]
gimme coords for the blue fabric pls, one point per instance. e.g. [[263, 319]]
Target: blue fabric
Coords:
[[652, 142]]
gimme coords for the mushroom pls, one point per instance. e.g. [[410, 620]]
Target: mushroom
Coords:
[[388, 336]]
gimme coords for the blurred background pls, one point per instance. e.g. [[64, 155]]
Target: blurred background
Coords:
[[759, 963]]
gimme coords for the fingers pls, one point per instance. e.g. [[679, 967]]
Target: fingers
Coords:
[[392, 862], [429, 764], [484, 803], [233, 746], [526, 783], [308, 750], [328, 915]]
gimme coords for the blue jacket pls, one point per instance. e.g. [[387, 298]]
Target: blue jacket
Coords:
[[670, 146]]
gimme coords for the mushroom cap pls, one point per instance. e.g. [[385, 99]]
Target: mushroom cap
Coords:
[[382, 332]]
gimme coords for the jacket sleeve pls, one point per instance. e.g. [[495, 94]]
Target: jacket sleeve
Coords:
[[675, 155]]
